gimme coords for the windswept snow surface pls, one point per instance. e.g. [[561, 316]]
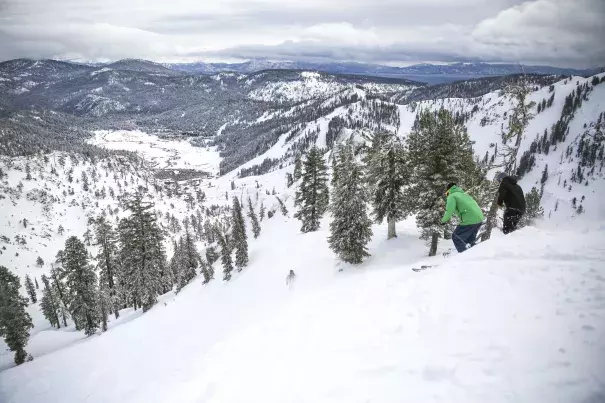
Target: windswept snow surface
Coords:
[[517, 319]]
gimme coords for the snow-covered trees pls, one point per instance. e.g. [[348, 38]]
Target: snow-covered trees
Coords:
[[15, 322], [49, 303], [387, 175], [142, 252], [282, 206], [82, 283], [107, 262], [240, 239], [533, 209], [186, 260], [253, 219], [226, 260], [31, 289], [440, 152], [39, 262], [312, 197], [350, 230]]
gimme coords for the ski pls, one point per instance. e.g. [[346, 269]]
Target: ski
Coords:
[[423, 267]]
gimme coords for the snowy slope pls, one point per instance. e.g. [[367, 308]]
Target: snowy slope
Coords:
[[514, 320], [517, 319]]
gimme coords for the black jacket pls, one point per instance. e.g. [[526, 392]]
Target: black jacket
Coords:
[[511, 195]]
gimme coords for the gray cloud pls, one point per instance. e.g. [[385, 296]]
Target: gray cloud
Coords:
[[557, 32]]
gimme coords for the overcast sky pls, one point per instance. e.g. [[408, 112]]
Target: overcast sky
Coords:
[[566, 33]]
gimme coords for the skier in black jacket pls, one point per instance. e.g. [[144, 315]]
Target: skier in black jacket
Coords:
[[511, 195]]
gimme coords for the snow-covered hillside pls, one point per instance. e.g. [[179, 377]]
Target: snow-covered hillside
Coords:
[[519, 318]]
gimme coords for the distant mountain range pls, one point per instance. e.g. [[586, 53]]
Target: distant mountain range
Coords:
[[426, 73], [429, 73]]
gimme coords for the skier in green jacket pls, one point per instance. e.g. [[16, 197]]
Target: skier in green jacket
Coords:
[[469, 213]]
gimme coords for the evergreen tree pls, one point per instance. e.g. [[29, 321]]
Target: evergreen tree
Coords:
[[142, 252], [289, 179], [211, 255], [282, 206], [186, 259], [533, 209], [104, 303], [36, 282], [60, 230], [262, 211], [207, 271], [39, 262], [82, 283], [350, 229], [240, 239], [387, 175], [28, 172], [440, 152], [49, 303], [15, 322], [31, 290], [312, 197], [226, 260], [106, 240], [60, 291], [297, 169], [253, 219]]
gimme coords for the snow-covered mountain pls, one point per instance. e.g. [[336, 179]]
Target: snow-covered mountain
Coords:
[[518, 318], [425, 72]]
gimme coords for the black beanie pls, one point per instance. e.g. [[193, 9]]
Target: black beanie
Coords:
[[449, 186]]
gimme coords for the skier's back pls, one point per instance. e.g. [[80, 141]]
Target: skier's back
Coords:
[[510, 195]]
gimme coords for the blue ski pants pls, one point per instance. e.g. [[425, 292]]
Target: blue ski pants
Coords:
[[465, 235]]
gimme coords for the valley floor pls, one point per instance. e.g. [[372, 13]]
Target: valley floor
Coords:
[[518, 319]]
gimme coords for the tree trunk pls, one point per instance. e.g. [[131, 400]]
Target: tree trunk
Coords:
[[491, 220], [392, 232], [434, 241]]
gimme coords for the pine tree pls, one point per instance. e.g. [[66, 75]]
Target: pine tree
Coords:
[[226, 260], [440, 152], [240, 238], [211, 255], [15, 322], [142, 252], [106, 240], [39, 262], [533, 209], [253, 219], [186, 259], [82, 283], [49, 303], [60, 291], [207, 271], [60, 230], [36, 282], [262, 211], [282, 206], [350, 229], [312, 197], [387, 175], [28, 172], [31, 290], [289, 179], [297, 169]]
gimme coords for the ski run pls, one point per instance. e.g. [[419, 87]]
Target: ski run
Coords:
[[516, 319]]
